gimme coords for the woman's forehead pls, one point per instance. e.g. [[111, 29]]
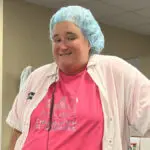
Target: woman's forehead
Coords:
[[66, 28]]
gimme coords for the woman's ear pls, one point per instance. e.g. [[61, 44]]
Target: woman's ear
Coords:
[[89, 46]]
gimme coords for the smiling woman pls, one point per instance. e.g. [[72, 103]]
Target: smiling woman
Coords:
[[70, 48], [84, 100]]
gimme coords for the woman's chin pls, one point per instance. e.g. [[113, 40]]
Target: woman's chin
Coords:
[[65, 65]]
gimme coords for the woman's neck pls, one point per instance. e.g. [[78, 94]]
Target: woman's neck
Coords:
[[73, 70]]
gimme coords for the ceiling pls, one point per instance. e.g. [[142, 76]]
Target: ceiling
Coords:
[[133, 15]]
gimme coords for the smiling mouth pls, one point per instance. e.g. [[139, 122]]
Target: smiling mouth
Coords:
[[65, 54]]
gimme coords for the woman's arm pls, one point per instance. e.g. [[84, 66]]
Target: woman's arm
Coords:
[[14, 137]]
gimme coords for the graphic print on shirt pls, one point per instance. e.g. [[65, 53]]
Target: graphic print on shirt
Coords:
[[64, 115]]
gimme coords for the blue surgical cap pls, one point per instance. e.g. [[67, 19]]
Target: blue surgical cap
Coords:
[[84, 19]]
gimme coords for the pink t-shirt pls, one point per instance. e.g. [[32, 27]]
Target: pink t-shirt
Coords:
[[77, 122]]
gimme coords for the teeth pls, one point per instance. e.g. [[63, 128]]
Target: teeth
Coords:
[[65, 54]]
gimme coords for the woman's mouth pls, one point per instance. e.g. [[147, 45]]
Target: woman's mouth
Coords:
[[65, 54]]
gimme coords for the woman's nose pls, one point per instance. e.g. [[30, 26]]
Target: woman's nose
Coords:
[[63, 45]]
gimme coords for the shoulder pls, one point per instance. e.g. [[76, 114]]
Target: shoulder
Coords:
[[113, 64], [46, 70], [107, 60]]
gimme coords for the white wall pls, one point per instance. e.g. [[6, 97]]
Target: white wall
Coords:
[[145, 144], [1, 59]]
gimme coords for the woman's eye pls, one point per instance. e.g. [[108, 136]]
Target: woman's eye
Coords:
[[71, 38], [57, 40]]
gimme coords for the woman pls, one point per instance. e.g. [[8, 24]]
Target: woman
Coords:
[[82, 101]]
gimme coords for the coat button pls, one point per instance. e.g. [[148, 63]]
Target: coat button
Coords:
[[110, 119], [110, 141]]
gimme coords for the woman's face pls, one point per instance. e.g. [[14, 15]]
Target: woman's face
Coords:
[[70, 48]]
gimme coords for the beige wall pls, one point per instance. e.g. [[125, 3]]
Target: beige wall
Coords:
[[26, 43], [144, 65], [124, 43], [127, 45], [1, 59]]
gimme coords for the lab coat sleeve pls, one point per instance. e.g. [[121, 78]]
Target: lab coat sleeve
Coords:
[[24, 75], [139, 104], [15, 116], [136, 95]]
